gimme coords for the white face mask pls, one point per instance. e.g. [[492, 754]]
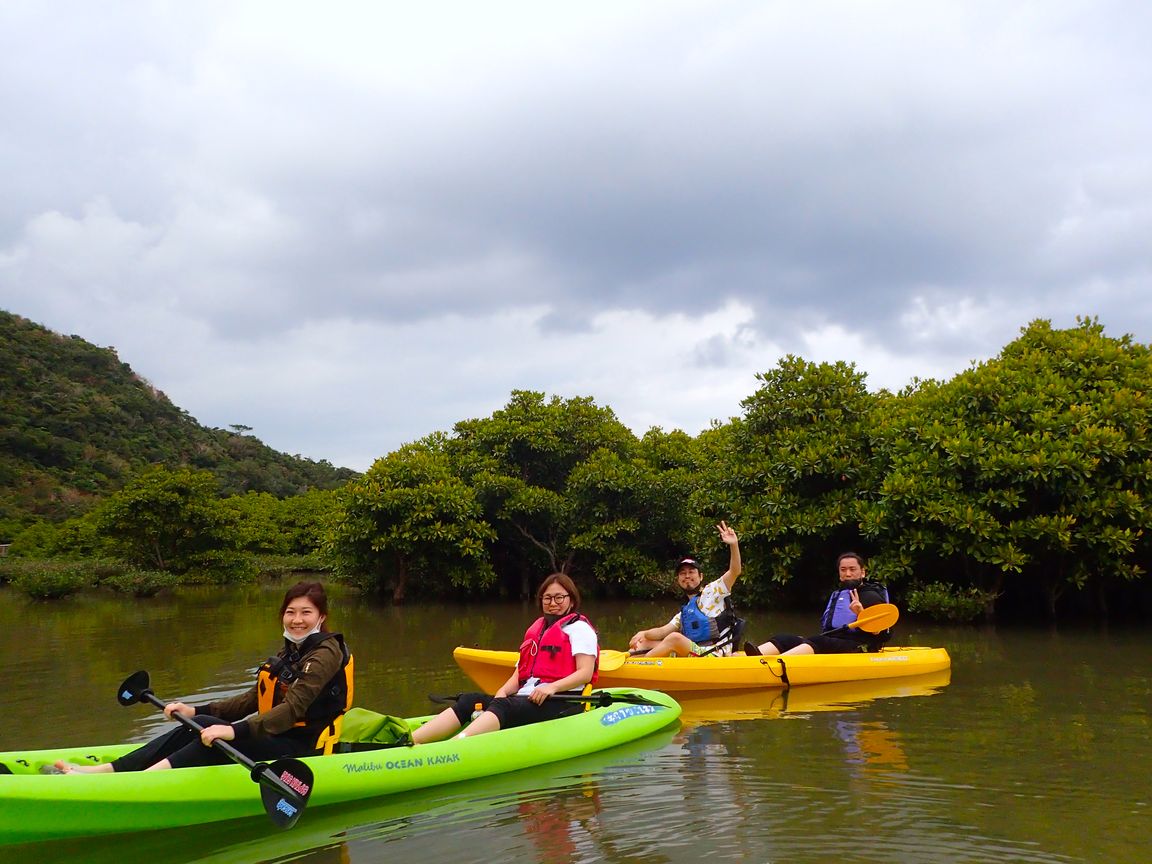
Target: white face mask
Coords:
[[296, 640]]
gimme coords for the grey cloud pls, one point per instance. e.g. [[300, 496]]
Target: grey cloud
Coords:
[[924, 175]]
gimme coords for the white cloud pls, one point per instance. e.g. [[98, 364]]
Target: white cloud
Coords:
[[348, 228], [352, 391]]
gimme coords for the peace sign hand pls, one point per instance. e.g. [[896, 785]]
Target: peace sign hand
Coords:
[[727, 534], [854, 603]]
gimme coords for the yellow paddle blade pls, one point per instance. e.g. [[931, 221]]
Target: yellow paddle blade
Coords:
[[875, 618], [612, 660]]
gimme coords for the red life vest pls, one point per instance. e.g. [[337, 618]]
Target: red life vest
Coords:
[[547, 653]]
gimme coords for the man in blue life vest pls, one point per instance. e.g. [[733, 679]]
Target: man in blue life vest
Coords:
[[852, 596], [706, 623]]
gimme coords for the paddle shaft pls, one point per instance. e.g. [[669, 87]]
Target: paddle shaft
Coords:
[[842, 629], [260, 772], [600, 699], [872, 619], [604, 699]]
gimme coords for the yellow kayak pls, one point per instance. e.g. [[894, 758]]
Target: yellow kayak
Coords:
[[490, 669]]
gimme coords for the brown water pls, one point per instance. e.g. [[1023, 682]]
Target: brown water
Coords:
[[1038, 750]]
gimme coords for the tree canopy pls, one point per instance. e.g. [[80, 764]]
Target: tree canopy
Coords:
[[1033, 466], [1019, 486], [411, 524]]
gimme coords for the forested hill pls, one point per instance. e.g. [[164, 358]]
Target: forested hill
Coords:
[[76, 423]]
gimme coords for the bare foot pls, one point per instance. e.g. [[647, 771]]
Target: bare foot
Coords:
[[72, 768]]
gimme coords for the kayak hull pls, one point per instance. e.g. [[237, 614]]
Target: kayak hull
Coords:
[[490, 669], [35, 806]]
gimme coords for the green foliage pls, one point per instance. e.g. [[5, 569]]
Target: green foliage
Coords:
[[631, 516], [256, 518], [410, 525], [139, 583], [49, 580], [949, 603], [789, 473], [172, 520], [521, 461], [1025, 477], [39, 540], [537, 486], [284, 565], [1035, 464], [76, 423], [76, 538], [282, 526], [304, 520]]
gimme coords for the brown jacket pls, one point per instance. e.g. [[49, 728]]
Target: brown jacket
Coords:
[[317, 668]]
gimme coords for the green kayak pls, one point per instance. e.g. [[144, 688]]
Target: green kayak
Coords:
[[38, 806]]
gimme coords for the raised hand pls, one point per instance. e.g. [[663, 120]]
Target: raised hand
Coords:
[[854, 603], [727, 534]]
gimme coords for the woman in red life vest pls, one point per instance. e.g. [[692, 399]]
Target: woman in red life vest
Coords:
[[558, 654]]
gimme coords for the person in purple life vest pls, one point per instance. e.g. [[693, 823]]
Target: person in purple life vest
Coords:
[[853, 595], [559, 654]]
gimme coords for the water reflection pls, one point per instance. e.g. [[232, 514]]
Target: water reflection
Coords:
[[1034, 750], [839, 786], [798, 702], [566, 827], [870, 748]]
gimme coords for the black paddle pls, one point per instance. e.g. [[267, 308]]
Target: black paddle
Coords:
[[600, 699], [285, 785]]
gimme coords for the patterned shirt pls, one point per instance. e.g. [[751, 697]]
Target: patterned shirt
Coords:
[[711, 601]]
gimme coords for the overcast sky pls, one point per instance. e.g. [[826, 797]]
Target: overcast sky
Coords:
[[351, 224]]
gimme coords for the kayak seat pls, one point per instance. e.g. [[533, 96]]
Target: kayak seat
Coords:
[[736, 636], [878, 641]]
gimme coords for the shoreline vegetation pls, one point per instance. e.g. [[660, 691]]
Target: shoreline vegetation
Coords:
[[1017, 490]]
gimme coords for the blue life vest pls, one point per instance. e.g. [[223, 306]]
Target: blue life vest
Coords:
[[699, 627], [695, 624]]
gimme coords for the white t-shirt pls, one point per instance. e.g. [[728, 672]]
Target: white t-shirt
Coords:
[[583, 639]]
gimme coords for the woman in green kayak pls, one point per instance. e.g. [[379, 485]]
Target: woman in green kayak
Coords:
[[294, 708], [558, 654]]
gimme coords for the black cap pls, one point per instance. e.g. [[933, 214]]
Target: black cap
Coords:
[[687, 562]]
